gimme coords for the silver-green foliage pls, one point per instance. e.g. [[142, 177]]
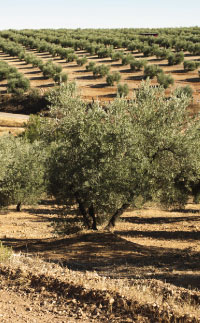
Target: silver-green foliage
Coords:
[[22, 171], [102, 160]]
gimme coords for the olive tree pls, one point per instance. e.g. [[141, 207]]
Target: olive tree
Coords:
[[22, 171], [103, 159], [165, 80]]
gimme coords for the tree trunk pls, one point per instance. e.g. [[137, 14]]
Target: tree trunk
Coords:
[[116, 215], [92, 214], [82, 211], [84, 214], [18, 207]]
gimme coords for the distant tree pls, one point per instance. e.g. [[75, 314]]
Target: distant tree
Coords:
[[90, 66], [81, 61], [60, 78], [184, 91], [22, 171], [17, 84], [122, 90], [138, 65], [112, 78], [151, 71], [127, 59], [100, 70], [191, 65], [175, 58], [165, 80]]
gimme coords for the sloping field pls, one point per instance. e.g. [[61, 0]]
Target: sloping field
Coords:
[[152, 253], [96, 88], [13, 123]]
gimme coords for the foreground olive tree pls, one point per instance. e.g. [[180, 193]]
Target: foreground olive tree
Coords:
[[103, 159], [22, 171]]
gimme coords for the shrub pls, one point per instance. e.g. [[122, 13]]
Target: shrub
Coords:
[[101, 70], [90, 66], [162, 53], [60, 78], [151, 71], [104, 52], [175, 59], [190, 65], [71, 57], [18, 85], [112, 78], [81, 61], [137, 65], [122, 90], [49, 69], [5, 253], [184, 90], [127, 59], [116, 56], [165, 80]]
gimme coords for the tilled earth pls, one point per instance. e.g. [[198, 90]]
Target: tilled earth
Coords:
[[147, 244], [17, 305]]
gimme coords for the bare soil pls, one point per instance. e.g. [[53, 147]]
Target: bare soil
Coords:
[[147, 243], [12, 123], [152, 245], [96, 88]]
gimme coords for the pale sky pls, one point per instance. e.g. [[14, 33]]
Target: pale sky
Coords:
[[35, 14]]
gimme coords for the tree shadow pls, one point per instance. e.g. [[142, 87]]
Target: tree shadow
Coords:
[[37, 78], [136, 78], [110, 96], [81, 71], [86, 77], [102, 61], [178, 71], [126, 71], [46, 85], [195, 79], [113, 256], [99, 86], [168, 235], [159, 220], [33, 72], [116, 65]]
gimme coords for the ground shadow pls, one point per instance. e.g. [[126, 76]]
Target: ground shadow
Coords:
[[178, 71], [195, 79], [113, 256], [110, 96], [136, 78], [46, 85], [126, 71], [168, 235], [98, 86], [86, 77], [33, 72], [159, 220], [105, 61], [37, 78]]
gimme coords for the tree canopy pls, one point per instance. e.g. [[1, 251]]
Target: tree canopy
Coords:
[[104, 158]]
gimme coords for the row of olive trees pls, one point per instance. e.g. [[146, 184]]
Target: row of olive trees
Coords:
[[48, 69], [101, 160], [16, 82]]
